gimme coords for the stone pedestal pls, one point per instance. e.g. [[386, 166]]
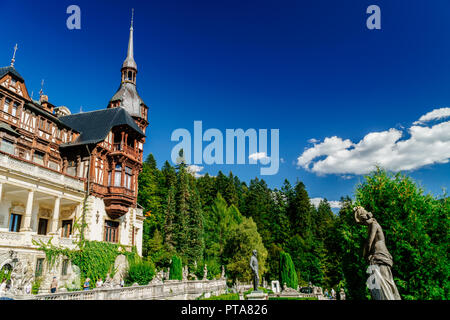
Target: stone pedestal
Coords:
[[257, 295]]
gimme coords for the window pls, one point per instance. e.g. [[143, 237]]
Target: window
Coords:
[[128, 177], [7, 146], [66, 228], [13, 81], [42, 226], [65, 266], [14, 222], [38, 157], [6, 105], [118, 176], [14, 109], [39, 267], [111, 231]]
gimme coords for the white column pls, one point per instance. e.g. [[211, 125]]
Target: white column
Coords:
[[55, 219], [26, 226], [1, 190]]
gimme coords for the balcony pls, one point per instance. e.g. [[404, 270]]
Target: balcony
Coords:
[[119, 148], [118, 200]]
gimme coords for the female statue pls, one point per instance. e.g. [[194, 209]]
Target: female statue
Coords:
[[381, 283]]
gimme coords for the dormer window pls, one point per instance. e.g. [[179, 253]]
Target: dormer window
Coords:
[[13, 81]]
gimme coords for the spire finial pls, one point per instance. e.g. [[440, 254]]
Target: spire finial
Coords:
[[41, 92], [14, 55], [129, 61]]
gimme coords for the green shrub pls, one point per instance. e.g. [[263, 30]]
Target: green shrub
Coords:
[[176, 272], [287, 271], [228, 296], [36, 285], [141, 272]]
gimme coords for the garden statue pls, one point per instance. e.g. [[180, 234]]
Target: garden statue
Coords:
[[254, 267], [185, 273], [381, 284], [342, 294], [222, 276], [205, 272]]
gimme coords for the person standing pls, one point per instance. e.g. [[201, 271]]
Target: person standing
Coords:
[[54, 285], [333, 294], [86, 284], [99, 283]]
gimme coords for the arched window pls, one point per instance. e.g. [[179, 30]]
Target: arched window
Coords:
[[130, 75]]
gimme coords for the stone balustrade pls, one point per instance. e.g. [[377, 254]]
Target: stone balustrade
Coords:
[[25, 239], [169, 290], [24, 167]]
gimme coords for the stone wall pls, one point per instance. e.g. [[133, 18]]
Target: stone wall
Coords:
[[169, 290]]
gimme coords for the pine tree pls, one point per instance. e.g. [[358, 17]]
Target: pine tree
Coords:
[[169, 220]]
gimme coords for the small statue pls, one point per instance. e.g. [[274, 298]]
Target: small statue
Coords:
[[205, 272], [222, 276], [342, 294], [254, 267], [185, 273], [379, 258]]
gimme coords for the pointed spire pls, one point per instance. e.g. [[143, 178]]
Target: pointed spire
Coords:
[[129, 61], [14, 55]]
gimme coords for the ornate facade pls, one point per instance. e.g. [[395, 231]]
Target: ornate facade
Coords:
[[58, 169]]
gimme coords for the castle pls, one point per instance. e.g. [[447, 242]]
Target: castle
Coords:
[[59, 169]]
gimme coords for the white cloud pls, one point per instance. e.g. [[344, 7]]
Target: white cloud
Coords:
[[282, 160], [313, 141], [258, 156], [194, 169], [424, 146], [333, 204], [436, 114]]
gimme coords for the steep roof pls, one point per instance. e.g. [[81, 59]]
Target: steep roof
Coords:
[[94, 126], [128, 95], [12, 70]]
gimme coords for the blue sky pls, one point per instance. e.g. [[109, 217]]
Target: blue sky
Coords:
[[308, 68]]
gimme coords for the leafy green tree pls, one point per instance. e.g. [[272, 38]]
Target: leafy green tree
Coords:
[[416, 231], [242, 240], [287, 271]]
